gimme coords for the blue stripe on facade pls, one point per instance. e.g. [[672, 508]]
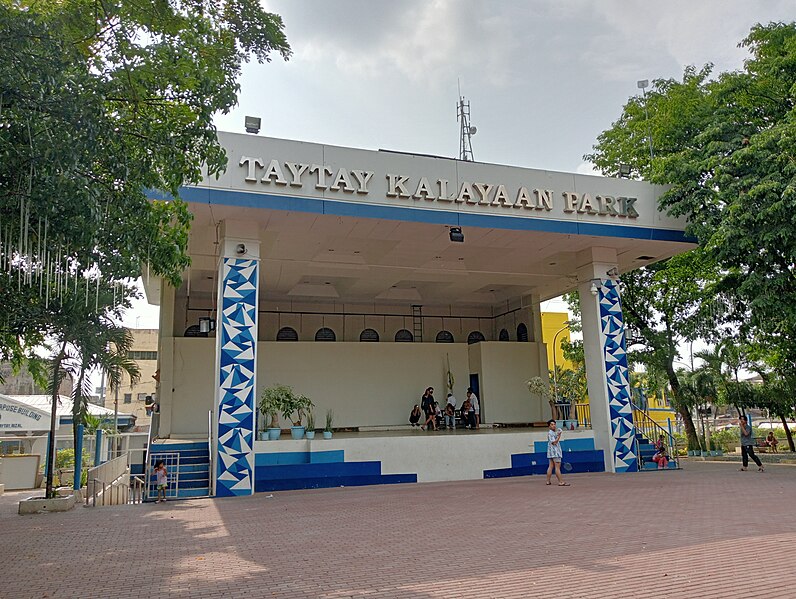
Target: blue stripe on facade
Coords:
[[245, 199]]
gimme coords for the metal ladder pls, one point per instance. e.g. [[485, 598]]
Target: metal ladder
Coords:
[[417, 323]]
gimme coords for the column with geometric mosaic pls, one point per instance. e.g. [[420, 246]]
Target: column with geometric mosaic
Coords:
[[236, 358], [620, 409]]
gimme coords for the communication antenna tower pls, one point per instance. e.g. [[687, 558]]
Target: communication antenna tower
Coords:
[[466, 130]]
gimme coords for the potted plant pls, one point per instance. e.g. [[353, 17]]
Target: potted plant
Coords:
[[271, 402], [327, 431], [310, 434], [296, 404]]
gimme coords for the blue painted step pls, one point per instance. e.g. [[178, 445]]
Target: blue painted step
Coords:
[[322, 470], [175, 447], [326, 482], [298, 457], [193, 470], [198, 492], [519, 460], [525, 464]]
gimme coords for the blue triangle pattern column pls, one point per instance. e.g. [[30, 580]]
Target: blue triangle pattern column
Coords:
[[237, 346], [612, 328]]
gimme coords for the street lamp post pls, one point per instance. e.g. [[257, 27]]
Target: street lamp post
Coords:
[[555, 365], [642, 85]]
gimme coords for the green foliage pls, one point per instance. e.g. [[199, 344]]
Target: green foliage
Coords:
[[94, 423], [310, 420], [281, 399], [65, 458], [101, 102], [271, 401], [725, 145], [297, 405], [538, 386], [329, 421]]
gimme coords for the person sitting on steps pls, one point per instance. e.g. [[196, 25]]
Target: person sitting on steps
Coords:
[[414, 416]]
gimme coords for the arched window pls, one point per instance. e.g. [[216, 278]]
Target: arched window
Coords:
[[368, 335], [522, 332], [503, 335], [325, 334], [444, 337], [287, 334], [193, 331], [404, 335], [475, 337]]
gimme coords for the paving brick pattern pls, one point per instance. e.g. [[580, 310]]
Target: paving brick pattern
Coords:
[[708, 531]]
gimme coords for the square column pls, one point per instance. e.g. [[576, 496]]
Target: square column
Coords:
[[607, 370], [236, 360]]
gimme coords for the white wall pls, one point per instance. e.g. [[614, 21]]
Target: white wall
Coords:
[[504, 370], [194, 383], [365, 384]]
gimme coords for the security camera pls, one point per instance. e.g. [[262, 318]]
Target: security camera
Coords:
[[614, 272], [240, 249], [594, 289]]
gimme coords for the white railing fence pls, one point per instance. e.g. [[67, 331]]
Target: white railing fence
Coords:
[[109, 483]]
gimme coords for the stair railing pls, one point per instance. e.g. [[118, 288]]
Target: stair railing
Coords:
[[137, 489], [647, 426], [172, 461], [210, 470]]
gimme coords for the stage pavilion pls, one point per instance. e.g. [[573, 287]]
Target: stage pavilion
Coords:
[[362, 277]]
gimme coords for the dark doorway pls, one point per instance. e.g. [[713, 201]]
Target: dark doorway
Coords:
[[477, 390]]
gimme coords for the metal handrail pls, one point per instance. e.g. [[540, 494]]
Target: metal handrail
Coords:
[[579, 412], [210, 470], [119, 487], [138, 485], [652, 430]]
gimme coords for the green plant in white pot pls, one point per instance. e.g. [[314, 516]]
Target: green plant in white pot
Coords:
[[310, 434], [294, 407], [327, 431], [271, 401]]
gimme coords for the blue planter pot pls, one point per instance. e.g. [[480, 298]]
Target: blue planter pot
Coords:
[[297, 432], [560, 424], [719, 452], [705, 454], [274, 433], [310, 434], [327, 434], [263, 435]]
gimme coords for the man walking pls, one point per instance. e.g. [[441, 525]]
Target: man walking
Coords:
[[748, 445]]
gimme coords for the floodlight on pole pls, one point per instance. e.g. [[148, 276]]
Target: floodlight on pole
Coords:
[[252, 124]]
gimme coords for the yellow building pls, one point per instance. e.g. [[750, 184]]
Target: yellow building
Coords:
[[660, 410], [554, 327]]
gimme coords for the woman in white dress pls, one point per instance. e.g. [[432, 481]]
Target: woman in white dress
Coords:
[[554, 453]]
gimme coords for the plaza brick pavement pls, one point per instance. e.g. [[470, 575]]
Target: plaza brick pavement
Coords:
[[707, 531]]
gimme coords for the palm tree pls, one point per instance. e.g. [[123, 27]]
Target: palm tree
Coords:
[[85, 337]]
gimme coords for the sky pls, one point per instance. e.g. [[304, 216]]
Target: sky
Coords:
[[543, 77]]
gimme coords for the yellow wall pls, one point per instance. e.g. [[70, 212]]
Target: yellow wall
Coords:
[[552, 322], [659, 411]]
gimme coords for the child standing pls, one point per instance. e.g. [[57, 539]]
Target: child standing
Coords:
[[554, 453], [162, 479]]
